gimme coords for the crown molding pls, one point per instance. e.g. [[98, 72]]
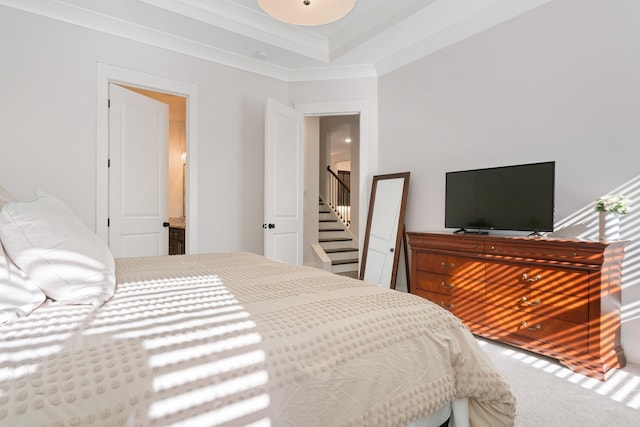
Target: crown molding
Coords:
[[250, 23]]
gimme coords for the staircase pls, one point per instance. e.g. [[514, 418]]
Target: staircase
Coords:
[[337, 241]]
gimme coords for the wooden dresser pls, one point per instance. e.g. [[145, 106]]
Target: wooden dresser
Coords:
[[557, 297]]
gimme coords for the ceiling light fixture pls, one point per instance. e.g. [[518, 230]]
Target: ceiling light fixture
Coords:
[[307, 12]]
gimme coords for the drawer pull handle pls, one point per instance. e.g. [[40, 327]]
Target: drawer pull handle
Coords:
[[445, 286], [448, 307], [447, 266], [534, 328], [535, 278], [524, 300]]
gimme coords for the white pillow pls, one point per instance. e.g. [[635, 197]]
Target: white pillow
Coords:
[[18, 295], [58, 252], [5, 196]]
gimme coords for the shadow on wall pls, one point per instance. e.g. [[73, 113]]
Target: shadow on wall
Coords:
[[583, 224]]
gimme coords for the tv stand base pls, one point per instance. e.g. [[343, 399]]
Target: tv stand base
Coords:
[[465, 231]]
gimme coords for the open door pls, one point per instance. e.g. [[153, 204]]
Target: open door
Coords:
[[284, 183], [138, 168]]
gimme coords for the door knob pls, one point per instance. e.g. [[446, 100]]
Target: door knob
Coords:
[[165, 224]]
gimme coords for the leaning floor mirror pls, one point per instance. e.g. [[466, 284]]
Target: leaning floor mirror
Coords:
[[385, 229]]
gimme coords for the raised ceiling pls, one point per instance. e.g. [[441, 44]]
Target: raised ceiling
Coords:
[[378, 36]]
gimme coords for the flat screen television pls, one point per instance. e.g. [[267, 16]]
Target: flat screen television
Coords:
[[515, 198]]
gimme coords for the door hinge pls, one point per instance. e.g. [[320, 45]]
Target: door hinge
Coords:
[[108, 222], [108, 163], [108, 103]]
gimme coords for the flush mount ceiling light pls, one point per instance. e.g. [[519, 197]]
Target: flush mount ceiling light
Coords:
[[307, 12]]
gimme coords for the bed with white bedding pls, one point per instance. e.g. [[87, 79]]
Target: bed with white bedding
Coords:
[[219, 339], [237, 339]]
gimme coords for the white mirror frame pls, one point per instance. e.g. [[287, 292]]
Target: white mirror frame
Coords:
[[385, 229]]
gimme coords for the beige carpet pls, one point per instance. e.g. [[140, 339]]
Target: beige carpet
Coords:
[[550, 395]]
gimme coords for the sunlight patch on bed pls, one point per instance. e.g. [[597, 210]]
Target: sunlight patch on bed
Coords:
[[195, 373], [195, 330], [203, 395], [200, 334], [175, 323], [29, 354], [144, 322], [230, 413], [207, 349], [23, 371]]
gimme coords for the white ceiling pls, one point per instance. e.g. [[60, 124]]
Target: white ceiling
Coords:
[[378, 36]]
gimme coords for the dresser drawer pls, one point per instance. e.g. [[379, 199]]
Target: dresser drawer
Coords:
[[448, 242], [566, 281], [463, 308], [454, 286], [450, 265], [538, 328], [542, 249], [528, 301]]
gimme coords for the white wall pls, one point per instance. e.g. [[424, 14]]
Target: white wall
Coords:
[[48, 106], [562, 83]]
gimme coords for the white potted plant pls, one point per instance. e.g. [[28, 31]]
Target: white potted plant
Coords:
[[610, 207]]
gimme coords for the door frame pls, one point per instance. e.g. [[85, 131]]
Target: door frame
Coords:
[[368, 147], [112, 74]]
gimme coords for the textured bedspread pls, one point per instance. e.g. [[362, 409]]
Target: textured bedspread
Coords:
[[235, 339]]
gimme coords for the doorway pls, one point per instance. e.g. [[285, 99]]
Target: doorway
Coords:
[[333, 149], [107, 74]]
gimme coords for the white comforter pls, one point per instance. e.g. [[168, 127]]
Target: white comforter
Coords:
[[236, 339]]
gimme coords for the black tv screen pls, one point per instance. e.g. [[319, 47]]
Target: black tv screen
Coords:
[[517, 198]]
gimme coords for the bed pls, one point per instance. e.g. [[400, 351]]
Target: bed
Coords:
[[234, 339]]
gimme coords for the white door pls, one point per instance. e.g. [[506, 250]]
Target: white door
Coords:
[[283, 183], [138, 157], [384, 231]]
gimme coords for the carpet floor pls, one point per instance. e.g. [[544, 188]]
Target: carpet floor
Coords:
[[550, 395]]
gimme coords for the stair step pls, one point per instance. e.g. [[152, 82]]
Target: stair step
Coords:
[[337, 250], [350, 273], [344, 261], [331, 229], [328, 220], [336, 239]]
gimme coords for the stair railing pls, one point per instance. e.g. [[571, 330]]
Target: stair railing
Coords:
[[339, 197]]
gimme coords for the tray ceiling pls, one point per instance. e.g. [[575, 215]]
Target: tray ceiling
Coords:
[[378, 36]]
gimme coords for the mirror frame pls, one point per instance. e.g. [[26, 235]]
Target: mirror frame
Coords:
[[401, 226]]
